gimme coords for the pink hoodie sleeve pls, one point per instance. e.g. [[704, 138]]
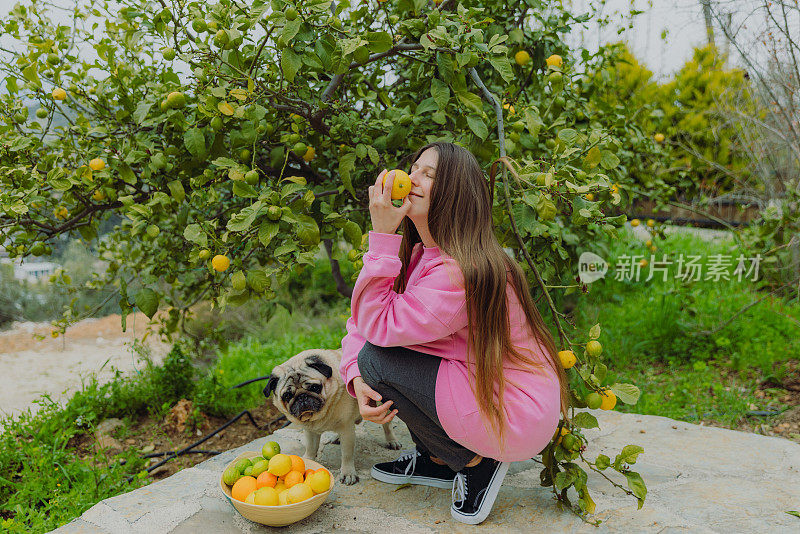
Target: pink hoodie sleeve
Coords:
[[431, 309]]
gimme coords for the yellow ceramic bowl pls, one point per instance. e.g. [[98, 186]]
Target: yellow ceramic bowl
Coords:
[[276, 516]]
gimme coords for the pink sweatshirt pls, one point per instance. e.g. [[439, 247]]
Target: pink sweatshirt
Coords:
[[430, 316]]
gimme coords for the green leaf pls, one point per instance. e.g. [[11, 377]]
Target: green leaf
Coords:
[[568, 136], [241, 221], [195, 234], [503, 67], [176, 188], [429, 104], [290, 29], [602, 462], [140, 114], [445, 64], [374, 157], [594, 332], [585, 420], [290, 63], [346, 164], [267, 231], [471, 101], [127, 175], [593, 158], [627, 455], [636, 484], [195, 142], [440, 92], [147, 301], [379, 42], [244, 190], [609, 160], [793, 512], [477, 126], [627, 393], [258, 281], [351, 45]]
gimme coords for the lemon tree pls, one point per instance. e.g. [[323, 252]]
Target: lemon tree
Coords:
[[229, 139]]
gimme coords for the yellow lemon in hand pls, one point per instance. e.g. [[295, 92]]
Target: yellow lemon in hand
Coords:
[[220, 263], [567, 358], [401, 186]]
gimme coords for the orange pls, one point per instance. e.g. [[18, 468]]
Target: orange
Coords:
[[243, 487], [292, 478], [297, 463], [266, 479]]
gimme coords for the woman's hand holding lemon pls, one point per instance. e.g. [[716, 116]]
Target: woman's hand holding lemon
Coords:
[[385, 217], [367, 397]]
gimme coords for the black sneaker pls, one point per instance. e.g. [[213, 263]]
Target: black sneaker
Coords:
[[475, 489], [414, 468]]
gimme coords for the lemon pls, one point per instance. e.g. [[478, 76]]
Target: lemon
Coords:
[[204, 254], [59, 93], [270, 449], [231, 475], [594, 348], [651, 223], [567, 358], [274, 213], [280, 464], [266, 497], [282, 497], [564, 432], [401, 186], [554, 61], [522, 58], [319, 480], [609, 400], [98, 195], [220, 263], [176, 100], [659, 138], [589, 196], [260, 467], [594, 400], [298, 493], [635, 222], [309, 155]]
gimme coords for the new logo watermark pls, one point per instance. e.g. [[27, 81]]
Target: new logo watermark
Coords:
[[592, 267]]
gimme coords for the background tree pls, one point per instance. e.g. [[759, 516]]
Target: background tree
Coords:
[[230, 177]]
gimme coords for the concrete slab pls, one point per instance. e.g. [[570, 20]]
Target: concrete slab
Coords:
[[700, 480]]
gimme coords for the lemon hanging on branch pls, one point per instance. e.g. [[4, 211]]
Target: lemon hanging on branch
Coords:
[[567, 358], [522, 58], [220, 263], [401, 186]]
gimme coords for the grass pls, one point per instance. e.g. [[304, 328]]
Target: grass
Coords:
[[651, 335]]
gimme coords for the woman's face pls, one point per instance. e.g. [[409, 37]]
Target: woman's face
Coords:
[[423, 172]]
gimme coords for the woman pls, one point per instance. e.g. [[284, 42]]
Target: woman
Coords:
[[445, 334]]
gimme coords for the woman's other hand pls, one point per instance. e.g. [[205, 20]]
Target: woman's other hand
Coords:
[[367, 399]]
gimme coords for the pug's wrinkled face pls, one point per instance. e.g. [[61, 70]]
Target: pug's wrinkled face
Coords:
[[299, 386]]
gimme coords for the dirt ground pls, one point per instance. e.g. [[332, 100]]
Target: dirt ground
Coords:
[[32, 362]]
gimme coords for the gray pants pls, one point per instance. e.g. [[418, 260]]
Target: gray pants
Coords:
[[408, 378]]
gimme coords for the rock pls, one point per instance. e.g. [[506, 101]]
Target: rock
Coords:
[[107, 443], [108, 427]]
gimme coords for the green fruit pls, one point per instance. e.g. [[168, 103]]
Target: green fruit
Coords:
[[37, 249], [361, 55], [42, 113], [559, 102], [221, 39], [580, 175], [259, 467], [269, 129], [518, 126], [153, 231], [212, 26], [244, 155], [300, 149], [248, 471], [53, 58], [550, 143], [199, 25], [241, 464], [270, 449], [294, 138], [555, 78], [204, 254], [168, 53], [216, 124], [274, 213], [569, 442], [19, 117], [593, 400], [353, 255], [291, 14], [163, 105], [231, 475], [176, 100], [251, 177]]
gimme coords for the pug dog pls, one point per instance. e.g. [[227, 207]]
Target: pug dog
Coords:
[[309, 391]]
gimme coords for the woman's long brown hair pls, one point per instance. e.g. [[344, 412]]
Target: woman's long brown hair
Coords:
[[460, 222]]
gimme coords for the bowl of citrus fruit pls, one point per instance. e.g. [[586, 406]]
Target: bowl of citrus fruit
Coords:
[[275, 489]]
